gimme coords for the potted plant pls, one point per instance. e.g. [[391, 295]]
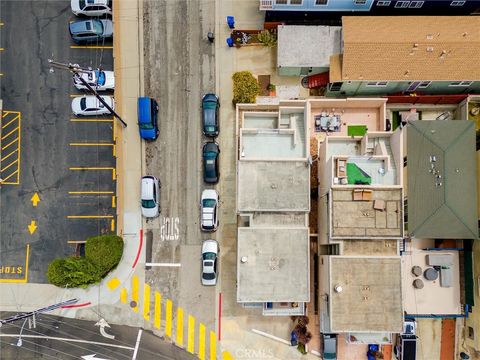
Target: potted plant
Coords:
[[271, 88]]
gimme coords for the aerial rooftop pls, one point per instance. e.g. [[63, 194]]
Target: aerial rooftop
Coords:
[[275, 267]]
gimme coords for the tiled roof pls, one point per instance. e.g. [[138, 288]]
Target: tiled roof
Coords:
[[411, 48]]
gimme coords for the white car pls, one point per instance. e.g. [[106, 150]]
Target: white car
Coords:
[[150, 196], [91, 7], [90, 105], [98, 79], [209, 205], [209, 262]]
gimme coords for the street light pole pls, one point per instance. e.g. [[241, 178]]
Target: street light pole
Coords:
[[20, 342], [76, 70]]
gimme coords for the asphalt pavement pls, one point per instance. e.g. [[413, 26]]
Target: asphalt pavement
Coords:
[[44, 150], [55, 337], [179, 67]]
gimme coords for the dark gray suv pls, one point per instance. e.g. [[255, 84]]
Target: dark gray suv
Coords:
[[85, 31]]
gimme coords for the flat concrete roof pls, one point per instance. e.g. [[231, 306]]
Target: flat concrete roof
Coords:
[[307, 46], [276, 267], [432, 298], [358, 218], [371, 296], [273, 186]]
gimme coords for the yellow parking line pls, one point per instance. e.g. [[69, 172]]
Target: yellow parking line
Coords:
[[10, 143], [8, 177], [6, 112], [90, 192], [12, 163], [114, 131], [19, 146], [10, 133], [201, 342], [89, 216], [123, 295], [168, 318], [91, 144], [114, 174], [114, 202], [1, 74], [191, 334], [6, 157], [113, 283], [76, 95], [5, 125], [179, 341], [114, 151], [135, 292], [146, 302], [90, 47], [91, 120], [1, 49], [158, 310], [213, 346], [1, 24], [25, 279], [91, 168], [112, 225]]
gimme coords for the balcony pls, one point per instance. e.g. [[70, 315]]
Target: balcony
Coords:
[[266, 4]]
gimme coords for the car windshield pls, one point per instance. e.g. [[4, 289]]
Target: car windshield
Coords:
[[146, 126], [210, 155], [83, 103], [97, 27], [209, 105], [209, 256], [208, 202], [210, 128], [148, 204], [208, 276], [81, 4], [101, 77]]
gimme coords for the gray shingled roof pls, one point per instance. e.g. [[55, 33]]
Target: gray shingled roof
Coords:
[[448, 210]]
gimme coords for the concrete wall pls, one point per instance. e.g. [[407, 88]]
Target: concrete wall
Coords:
[[352, 88], [298, 71], [396, 143], [324, 293]]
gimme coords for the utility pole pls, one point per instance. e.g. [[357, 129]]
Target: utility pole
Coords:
[[76, 70]]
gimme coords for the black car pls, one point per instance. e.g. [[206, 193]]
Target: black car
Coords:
[[85, 31], [211, 153], [210, 105]]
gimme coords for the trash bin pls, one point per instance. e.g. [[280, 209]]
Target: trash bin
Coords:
[[231, 22]]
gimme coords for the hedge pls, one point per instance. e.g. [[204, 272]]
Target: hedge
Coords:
[[245, 88], [102, 255]]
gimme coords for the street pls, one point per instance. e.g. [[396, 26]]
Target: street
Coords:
[[179, 70]]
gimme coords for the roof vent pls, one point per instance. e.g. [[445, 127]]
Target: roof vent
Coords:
[[338, 288], [418, 284], [244, 259], [429, 48], [430, 274], [417, 271]]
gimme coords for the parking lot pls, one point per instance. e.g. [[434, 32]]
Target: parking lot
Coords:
[[58, 171]]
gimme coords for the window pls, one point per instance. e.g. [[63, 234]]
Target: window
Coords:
[[402, 4], [461, 83], [377, 84], [281, 2], [424, 84], [321, 2], [296, 2], [457, 3], [416, 4], [383, 3], [359, 2]]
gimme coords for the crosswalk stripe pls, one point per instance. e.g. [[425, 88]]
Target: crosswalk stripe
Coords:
[[113, 283], [168, 318], [146, 302], [158, 310], [201, 342], [213, 346], [123, 295], [191, 334], [179, 327], [135, 292]]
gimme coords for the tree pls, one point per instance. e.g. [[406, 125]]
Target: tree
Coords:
[[267, 38], [72, 272], [104, 252], [245, 88]]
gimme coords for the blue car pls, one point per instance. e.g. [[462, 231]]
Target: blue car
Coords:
[[147, 118]]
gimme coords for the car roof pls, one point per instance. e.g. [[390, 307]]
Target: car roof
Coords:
[[209, 194], [80, 26], [210, 246], [147, 187]]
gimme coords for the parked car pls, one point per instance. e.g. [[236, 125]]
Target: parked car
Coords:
[[100, 80], [148, 118], [150, 195], [209, 262], [211, 154], [90, 105], [209, 204], [91, 7], [329, 346], [210, 124], [85, 31]]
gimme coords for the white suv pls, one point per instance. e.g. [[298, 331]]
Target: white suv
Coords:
[[209, 205], [150, 196]]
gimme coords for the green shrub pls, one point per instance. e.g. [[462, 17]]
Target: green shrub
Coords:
[[267, 38], [245, 88], [104, 252], [72, 272]]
